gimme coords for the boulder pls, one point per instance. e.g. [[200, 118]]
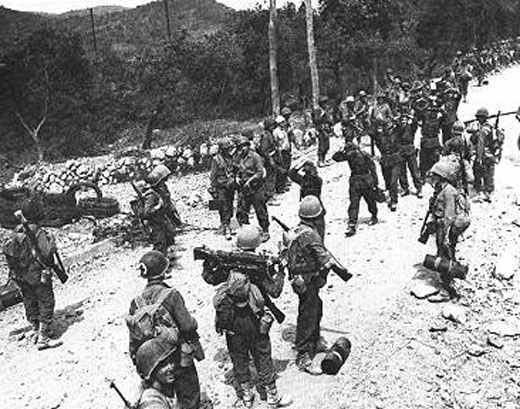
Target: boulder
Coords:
[[454, 313], [506, 266], [422, 290]]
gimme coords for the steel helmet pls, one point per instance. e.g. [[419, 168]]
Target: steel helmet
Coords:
[[310, 207], [458, 128], [441, 169], [280, 119], [152, 353], [482, 112], [286, 111], [248, 238], [32, 210], [158, 174], [350, 99], [225, 143], [153, 264], [362, 93]]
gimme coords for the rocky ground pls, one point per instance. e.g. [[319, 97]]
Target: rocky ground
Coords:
[[405, 353]]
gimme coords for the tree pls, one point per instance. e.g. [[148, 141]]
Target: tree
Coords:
[[312, 54], [273, 64]]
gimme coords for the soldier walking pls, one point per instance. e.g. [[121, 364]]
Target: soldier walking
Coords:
[[222, 184], [27, 258]]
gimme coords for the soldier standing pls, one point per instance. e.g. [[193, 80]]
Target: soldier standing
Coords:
[[153, 266], [430, 121], [349, 123], [306, 175], [309, 263], [267, 149], [283, 143], [361, 110], [363, 181], [157, 180], [222, 188], [322, 121], [242, 317], [381, 118], [405, 134], [27, 268], [250, 181], [452, 98], [450, 211], [484, 154]]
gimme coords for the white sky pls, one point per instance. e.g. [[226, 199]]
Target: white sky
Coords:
[[61, 6]]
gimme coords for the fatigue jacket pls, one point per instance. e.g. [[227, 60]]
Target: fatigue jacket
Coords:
[[251, 166], [222, 173]]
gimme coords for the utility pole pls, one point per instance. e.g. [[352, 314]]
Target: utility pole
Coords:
[[167, 19], [93, 31], [273, 67], [315, 81]]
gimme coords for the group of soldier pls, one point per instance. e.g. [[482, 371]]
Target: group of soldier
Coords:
[[251, 170]]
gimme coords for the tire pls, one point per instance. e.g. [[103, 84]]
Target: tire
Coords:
[[99, 207]]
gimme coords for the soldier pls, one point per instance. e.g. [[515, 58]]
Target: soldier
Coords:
[[459, 149], [310, 184], [405, 135], [283, 144], [450, 213], [158, 363], [349, 123], [362, 184], [361, 110], [430, 121], [268, 150], [157, 180], [153, 267], [27, 269], [309, 263], [222, 188], [391, 159], [484, 154], [242, 317], [153, 212], [322, 121], [250, 181], [452, 99]]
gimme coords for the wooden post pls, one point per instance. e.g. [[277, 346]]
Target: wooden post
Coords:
[[273, 67], [315, 81], [93, 31]]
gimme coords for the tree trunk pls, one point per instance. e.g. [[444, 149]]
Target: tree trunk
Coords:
[[39, 148], [374, 74], [273, 67], [315, 81]]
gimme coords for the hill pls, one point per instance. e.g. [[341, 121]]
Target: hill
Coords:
[[17, 24], [98, 11]]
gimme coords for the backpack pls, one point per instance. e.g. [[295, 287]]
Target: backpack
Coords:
[[152, 320], [462, 208]]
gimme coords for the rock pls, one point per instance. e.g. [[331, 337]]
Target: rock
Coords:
[[495, 342], [157, 154], [55, 188], [506, 328], [422, 290], [454, 313], [506, 266], [476, 351], [438, 327], [171, 151]]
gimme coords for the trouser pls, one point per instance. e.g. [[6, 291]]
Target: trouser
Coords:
[[463, 87], [270, 182], [161, 238], [484, 176], [310, 311], [447, 132], [357, 190], [38, 301], [446, 249], [281, 174], [323, 145], [409, 162], [259, 346], [391, 176], [257, 200], [427, 158], [187, 387], [226, 196]]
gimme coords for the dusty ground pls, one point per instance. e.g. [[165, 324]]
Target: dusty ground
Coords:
[[404, 354]]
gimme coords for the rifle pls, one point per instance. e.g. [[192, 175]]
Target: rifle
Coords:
[[428, 228], [498, 140], [497, 116], [337, 267], [126, 402], [53, 261], [138, 212], [255, 266]]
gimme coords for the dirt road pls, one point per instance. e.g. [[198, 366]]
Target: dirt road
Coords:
[[397, 361]]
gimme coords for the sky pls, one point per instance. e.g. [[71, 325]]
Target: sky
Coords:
[[61, 6]]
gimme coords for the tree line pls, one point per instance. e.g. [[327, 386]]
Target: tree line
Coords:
[[53, 92]]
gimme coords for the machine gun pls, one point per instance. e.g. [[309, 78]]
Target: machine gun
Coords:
[[337, 268], [497, 116], [53, 261], [257, 267]]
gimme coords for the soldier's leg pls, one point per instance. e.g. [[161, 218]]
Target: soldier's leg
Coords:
[[221, 196], [270, 182], [394, 177], [422, 163], [243, 207], [403, 174], [187, 387], [46, 303], [387, 176], [370, 200], [228, 196], [262, 357], [308, 317], [262, 214], [477, 174], [353, 207], [489, 178], [30, 302], [239, 354], [411, 161]]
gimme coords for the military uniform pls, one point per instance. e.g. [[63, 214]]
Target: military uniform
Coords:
[[250, 176], [320, 121], [391, 160], [405, 135], [430, 145], [284, 157], [308, 263], [267, 149], [186, 385], [484, 152], [161, 227], [170, 210], [222, 179], [451, 106]]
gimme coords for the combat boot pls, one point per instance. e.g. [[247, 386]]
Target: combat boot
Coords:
[[274, 399], [419, 194], [265, 236], [406, 192], [392, 206], [44, 339], [227, 232], [373, 221], [305, 364], [248, 396], [321, 345], [262, 392], [351, 230], [33, 333]]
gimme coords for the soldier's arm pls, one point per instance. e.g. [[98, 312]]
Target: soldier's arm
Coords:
[[295, 176], [213, 173], [152, 204], [273, 285], [258, 165], [184, 320], [372, 166]]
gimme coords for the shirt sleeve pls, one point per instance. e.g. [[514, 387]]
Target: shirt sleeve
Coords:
[[175, 304], [295, 176]]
